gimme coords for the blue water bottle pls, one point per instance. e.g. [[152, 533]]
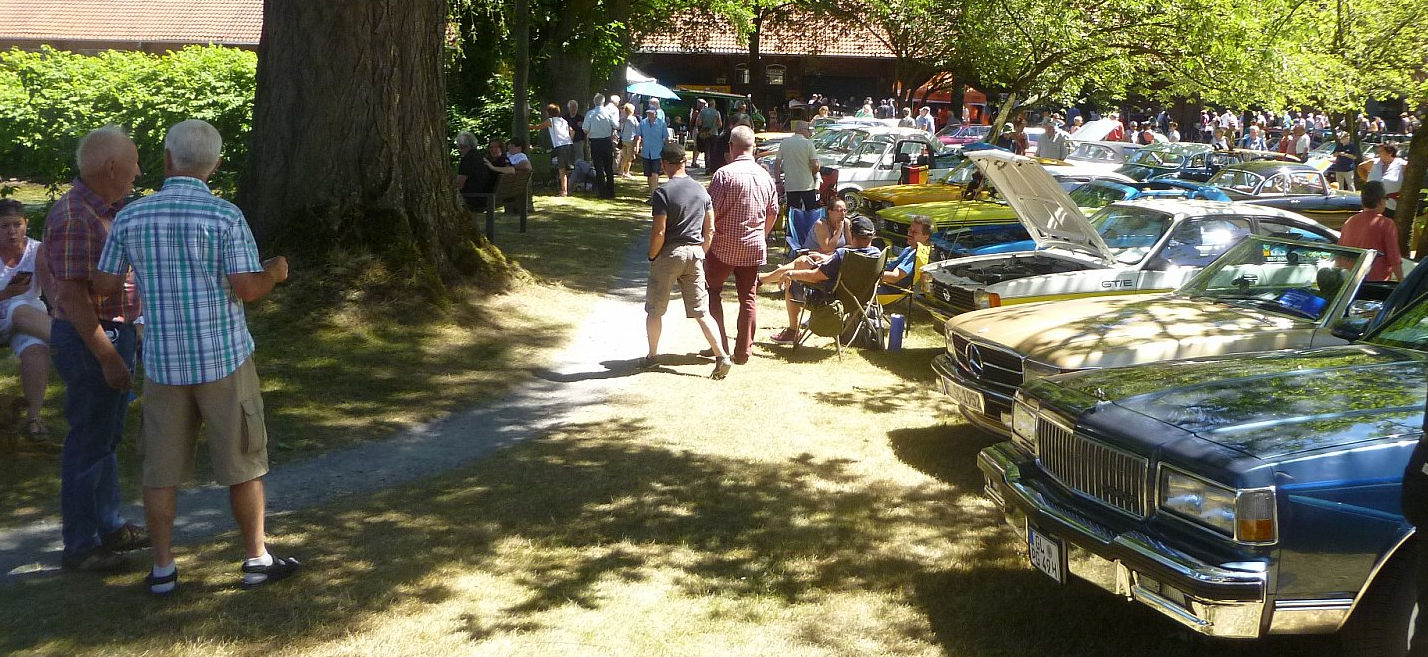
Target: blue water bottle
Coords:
[[896, 325]]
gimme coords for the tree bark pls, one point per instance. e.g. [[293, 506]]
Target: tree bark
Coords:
[[520, 82], [1413, 180], [1004, 113], [349, 145]]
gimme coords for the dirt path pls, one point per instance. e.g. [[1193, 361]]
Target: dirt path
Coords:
[[596, 362]]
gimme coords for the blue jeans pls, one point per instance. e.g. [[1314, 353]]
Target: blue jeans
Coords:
[[89, 468]]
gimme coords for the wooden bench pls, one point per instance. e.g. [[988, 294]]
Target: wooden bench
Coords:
[[509, 187]]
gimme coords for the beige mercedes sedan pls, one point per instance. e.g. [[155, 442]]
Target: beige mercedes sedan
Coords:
[[1264, 293]]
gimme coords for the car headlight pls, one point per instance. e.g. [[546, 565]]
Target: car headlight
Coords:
[[1024, 424], [985, 299], [1032, 370], [1246, 515]]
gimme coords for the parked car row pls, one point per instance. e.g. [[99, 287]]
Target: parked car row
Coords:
[[1208, 407]]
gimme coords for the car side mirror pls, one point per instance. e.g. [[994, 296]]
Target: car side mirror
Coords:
[[1350, 328]]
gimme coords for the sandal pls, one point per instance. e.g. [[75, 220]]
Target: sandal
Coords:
[[35, 431]]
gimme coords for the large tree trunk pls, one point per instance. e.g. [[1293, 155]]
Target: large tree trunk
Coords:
[[349, 146], [520, 81], [1413, 180]]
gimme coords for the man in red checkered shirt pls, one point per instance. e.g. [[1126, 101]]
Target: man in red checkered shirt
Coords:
[[745, 206]]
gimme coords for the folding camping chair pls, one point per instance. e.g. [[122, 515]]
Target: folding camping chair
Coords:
[[800, 224], [889, 295], [852, 309]]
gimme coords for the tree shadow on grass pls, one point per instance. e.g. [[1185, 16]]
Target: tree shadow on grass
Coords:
[[593, 503]]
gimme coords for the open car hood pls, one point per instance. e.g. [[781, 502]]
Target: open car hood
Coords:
[[1047, 211]]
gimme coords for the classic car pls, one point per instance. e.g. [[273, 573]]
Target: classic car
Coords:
[[957, 242], [1136, 246], [1187, 161], [942, 187], [1099, 156], [1264, 293], [879, 158], [1239, 496], [964, 133], [892, 222], [1292, 186]]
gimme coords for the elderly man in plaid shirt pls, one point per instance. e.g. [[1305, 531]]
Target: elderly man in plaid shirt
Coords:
[[92, 342], [745, 206], [196, 263]]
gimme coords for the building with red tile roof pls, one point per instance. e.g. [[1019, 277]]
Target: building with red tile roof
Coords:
[[145, 25]]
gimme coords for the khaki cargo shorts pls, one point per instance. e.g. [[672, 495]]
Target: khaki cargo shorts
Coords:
[[230, 411], [684, 264]]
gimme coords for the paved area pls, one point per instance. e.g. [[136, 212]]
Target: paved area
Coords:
[[598, 361]]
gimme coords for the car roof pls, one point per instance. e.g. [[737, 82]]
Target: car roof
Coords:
[[1185, 148], [1266, 167], [1199, 207]]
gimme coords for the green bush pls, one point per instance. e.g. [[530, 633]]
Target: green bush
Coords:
[[51, 98]]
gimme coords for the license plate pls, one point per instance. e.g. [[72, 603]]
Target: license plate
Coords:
[[1046, 554], [963, 395]]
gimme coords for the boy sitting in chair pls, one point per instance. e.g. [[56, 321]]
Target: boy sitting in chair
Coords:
[[818, 272]]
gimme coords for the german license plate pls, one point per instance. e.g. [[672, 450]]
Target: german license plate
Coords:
[[963, 395], [1047, 554]]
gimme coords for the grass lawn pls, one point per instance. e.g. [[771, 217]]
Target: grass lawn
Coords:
[[805, 506]]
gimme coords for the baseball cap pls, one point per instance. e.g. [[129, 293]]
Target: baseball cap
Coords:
[[862, 226], [673, 153]]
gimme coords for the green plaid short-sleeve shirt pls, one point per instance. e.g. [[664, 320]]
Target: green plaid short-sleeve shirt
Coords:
[[183, 242]]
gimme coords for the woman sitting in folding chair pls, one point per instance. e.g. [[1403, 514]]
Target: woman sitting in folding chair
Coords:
[[816, 273], [827, 235]]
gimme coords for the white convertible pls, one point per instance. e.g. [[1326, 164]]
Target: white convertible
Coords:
[[1129, 247]]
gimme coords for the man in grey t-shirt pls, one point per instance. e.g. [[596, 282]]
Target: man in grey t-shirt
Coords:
[[681, 233], [798, 162]]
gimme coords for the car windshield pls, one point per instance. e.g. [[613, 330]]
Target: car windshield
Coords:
[[1130, 232], [1157, 158], [972, 130], [1238, 180], [1094, 153], [1408, 329], [1096, 196], [961, 174], [1278, 276], [868, 154]]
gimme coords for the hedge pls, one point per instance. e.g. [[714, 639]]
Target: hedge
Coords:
[[51, 98]]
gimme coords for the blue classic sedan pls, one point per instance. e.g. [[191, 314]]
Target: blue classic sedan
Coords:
[[1239, 496]]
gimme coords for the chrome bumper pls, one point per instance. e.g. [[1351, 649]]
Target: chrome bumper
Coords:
[[1209, 599], [941, 366]]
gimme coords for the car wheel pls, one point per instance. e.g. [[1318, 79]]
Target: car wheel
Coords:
[[1382, 625], [854, 199]]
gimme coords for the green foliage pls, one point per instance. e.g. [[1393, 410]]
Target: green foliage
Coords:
[[49, 99], [489, 115]]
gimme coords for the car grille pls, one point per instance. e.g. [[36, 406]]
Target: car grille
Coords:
[[958, 298], [1000, 370], [1110, 476]]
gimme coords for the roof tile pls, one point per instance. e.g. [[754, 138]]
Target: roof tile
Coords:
[[234, 22]]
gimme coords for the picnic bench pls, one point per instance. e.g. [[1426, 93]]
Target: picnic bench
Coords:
[[509, 187]]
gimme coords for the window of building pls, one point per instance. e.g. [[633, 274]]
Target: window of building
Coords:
[[741, 73], [775, 73]]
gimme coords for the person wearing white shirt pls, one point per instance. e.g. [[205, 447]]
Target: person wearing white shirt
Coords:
[[600, 125], [1388, 169]]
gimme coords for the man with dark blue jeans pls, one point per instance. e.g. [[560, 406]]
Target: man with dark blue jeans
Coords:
[[92, 343]]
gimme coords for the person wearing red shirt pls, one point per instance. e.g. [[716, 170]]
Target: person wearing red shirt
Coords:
[[1371, 230]]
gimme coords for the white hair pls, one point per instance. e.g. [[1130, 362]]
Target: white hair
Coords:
[[615, 98], [99, 147], [741, 138], [599, 100], [193, 145], [465, 139]]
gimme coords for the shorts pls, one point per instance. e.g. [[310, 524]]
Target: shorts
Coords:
[[802, 292], [231, 413], [19, 341], [565, 157], [684, 264], [652, 166]]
